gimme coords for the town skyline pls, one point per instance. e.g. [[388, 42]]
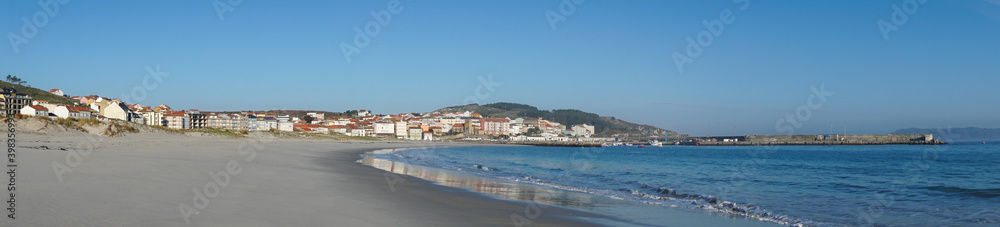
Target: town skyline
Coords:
[[634, 61]]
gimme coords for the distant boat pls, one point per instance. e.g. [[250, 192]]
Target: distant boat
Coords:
[[655, 143], [642, 146]]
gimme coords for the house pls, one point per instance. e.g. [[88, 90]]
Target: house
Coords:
[[583, 130], [57, 92], [317, 116], [310, 128], [354, 130], [239, 122], [384, 129], [219, 121], [428, 135], [494, 126], [162, 108], [176, 120], [414, 133], [401, 129], [286, 126], [337, 129], [267, 123], [251, 122], [34, 110], [115, 109], [149, 117], [63, 111], [11, 102]]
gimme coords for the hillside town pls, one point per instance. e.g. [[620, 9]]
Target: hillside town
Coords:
[[406, 126]]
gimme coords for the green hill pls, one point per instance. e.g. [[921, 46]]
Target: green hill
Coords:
[[603, 125], [38, 94]]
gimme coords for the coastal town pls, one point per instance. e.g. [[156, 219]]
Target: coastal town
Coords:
[[441, 125], [361, 123]]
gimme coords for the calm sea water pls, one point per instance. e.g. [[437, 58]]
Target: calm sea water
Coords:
[[949, 185]]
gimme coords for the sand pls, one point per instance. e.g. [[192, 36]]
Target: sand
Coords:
[[67, 177], [164, 179]]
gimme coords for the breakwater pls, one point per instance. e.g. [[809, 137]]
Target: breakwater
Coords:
[[832, 139]]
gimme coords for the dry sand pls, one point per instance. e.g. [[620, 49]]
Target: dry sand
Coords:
[[71, 178]]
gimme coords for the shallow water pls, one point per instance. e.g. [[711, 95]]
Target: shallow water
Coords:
[[808, 185]]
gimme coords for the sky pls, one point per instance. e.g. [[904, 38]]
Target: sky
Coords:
[[750, 67]]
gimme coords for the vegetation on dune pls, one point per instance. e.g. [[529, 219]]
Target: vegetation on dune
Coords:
[[38, 94], [220, 132]]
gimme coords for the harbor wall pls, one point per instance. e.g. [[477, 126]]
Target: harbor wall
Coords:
[[874, 138]]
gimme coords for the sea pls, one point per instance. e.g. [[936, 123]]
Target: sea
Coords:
[[881, 185]]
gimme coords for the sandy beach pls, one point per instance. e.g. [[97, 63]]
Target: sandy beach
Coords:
[[150, 177], [71, 178]]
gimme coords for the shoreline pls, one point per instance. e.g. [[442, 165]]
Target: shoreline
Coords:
[[639, 213], [146, 179]]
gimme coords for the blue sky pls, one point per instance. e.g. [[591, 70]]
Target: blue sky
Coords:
[[614, 58]]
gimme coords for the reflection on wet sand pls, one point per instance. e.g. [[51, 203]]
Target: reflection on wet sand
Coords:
[[500, 190]]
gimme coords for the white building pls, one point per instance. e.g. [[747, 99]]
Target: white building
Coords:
[[34, 111], [385, 129], [118, 110], [64, 111], [583, 130], [57, 92], [401, 129], [286, 126], [267, 123]]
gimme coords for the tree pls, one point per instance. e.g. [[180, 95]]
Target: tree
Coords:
[[309, 119], [533, 131], [15, 80]]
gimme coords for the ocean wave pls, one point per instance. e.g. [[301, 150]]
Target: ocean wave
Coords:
[[981, 193], [711, 203], [633, 191]]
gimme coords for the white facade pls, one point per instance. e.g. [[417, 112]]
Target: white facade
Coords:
[[401, 129], [385, 128], [583, 130], [286, 126], [70, 112], [117, 110], [61, 111], [57, 92], [34, 111]]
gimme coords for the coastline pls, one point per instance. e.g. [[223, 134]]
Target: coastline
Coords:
[[146, 178], [618, 212]]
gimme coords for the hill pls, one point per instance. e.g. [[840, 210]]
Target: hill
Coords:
[[38, 94], [604, 126], [969, 134]]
